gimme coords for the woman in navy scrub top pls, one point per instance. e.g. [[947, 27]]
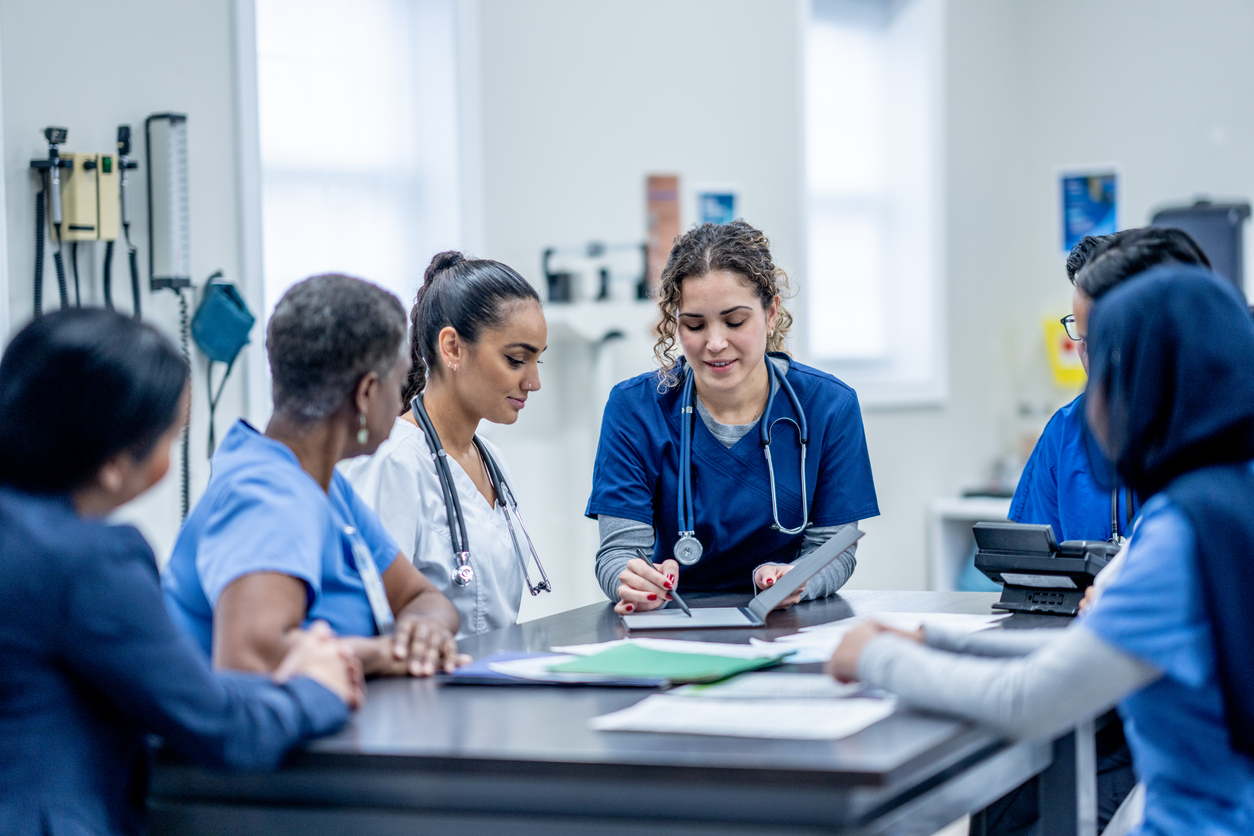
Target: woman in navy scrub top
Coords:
[[720, 300], [90, 664]]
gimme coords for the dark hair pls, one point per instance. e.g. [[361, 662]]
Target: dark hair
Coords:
[[327, 333], [1082, 252], [125, 380], [735, 247], [467, 295], [1133, 251]]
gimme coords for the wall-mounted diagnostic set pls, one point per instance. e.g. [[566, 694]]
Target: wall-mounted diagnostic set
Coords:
[[83, 198]]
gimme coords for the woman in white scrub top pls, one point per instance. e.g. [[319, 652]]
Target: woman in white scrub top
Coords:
[[476, 335]]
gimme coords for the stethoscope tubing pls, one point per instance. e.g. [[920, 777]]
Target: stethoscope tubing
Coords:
[[686, 514]]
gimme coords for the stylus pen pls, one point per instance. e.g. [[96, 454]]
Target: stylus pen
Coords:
[[675, 597]]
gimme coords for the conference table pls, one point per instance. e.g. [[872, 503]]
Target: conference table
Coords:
[[422, 757]]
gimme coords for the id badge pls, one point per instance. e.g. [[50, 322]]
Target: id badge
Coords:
[[372, 582]]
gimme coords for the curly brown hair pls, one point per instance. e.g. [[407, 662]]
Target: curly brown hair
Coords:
[[735, 247]]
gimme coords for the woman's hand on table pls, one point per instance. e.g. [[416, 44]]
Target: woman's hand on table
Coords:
[[317, 654], [844, 662], [418, 646], [1090, 595], [764, 577], [645, 586]]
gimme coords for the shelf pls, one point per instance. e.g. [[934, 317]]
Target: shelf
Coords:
[[594, 321]]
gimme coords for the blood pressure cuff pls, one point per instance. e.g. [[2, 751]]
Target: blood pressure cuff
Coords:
[[222, 322]]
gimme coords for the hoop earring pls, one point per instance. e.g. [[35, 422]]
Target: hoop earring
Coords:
[[363, 434]]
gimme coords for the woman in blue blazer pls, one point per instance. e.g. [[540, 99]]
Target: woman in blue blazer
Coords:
[[90, 663]]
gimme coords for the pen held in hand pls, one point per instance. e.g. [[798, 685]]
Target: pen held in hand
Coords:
[[675, 597]]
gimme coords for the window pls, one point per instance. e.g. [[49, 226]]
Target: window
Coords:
[[872, 103], [359, 141]]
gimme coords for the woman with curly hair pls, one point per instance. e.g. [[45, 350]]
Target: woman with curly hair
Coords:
[[736, 528]]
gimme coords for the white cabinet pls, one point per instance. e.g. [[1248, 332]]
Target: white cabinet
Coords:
[[950, 542]]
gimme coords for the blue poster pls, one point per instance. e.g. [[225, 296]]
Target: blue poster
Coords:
[[717, 207], [1089, 203]]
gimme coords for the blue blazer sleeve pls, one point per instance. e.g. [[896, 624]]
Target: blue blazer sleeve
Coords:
[[116, 635]]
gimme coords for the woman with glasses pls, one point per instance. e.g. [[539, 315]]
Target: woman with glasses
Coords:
[[1169, 638], [720, 469], [476, 335], [280, 538]]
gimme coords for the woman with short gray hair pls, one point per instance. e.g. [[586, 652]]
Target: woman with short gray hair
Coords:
[[280, 539]]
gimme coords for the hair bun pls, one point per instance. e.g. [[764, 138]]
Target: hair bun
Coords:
[[440, 263]]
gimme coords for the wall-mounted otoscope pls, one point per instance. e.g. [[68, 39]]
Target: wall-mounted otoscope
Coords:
[[50, 175], [125, 165]]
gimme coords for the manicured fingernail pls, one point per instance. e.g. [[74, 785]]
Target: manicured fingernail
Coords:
[[653, 597], [670, 578], [669, 585], [670, 597], [770, 581], [630, 607]]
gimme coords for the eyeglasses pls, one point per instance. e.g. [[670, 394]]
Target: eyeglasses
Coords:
[[1073, 333]]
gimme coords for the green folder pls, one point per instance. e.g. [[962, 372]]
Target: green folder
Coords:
[[628, 660]]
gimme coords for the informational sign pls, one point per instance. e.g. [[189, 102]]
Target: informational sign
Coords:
[[1090, 204], [717, 205]]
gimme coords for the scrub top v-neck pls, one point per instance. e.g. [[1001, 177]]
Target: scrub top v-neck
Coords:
[[401, 483]]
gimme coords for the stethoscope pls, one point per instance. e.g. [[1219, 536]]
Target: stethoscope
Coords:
[[465, 573], [688, 548], [1116, 536]]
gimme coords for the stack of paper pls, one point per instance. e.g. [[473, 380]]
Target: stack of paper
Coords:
[[736, 651], [774, 685], [817, 643], [800, 719]]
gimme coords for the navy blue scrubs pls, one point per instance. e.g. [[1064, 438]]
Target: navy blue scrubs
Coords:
[[637, 467], [1057, 487]]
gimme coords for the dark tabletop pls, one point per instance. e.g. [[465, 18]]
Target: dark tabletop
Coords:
[[422, 718]]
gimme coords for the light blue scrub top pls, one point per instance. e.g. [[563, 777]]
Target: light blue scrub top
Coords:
[[1058, 489], [1154, 610], [263, 513]]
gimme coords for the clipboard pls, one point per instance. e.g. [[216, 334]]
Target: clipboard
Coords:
[[753, 615]]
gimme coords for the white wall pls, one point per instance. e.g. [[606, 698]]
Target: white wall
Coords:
[[90, 66]]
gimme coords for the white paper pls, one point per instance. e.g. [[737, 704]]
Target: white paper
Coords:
[[806, 719], [773, 685], [733, 651], [816, 644]]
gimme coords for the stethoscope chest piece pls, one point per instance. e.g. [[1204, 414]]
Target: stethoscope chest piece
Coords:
[[688, 549], [464, 573]]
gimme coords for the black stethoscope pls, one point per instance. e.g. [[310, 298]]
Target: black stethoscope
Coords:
[[465, 573], [688, 548]]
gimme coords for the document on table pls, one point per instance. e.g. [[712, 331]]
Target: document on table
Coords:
[[629, 660], [796, 719], [773, 685], [734, 651], [818, 642]]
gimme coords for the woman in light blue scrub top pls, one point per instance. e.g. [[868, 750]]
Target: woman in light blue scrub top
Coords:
[[280, 539], [720, 299], [1171, 402]]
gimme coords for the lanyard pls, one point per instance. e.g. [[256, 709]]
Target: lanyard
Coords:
[[371, 581]]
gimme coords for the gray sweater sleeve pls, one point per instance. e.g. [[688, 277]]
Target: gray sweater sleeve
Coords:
[[996, 643], [621, 539], [833, 577], [1068, 680]]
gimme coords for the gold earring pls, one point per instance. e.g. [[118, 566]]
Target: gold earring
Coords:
[[363, 434]]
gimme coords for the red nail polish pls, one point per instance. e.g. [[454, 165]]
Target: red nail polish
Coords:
[[669, 585], [670, 597], [770, 581], [630, 607], [670, 578], [652, 597]]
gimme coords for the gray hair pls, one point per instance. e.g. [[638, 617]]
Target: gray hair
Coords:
[[326, 334]]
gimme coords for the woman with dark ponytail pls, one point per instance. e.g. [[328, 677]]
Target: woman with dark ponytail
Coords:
[[476, 335]]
